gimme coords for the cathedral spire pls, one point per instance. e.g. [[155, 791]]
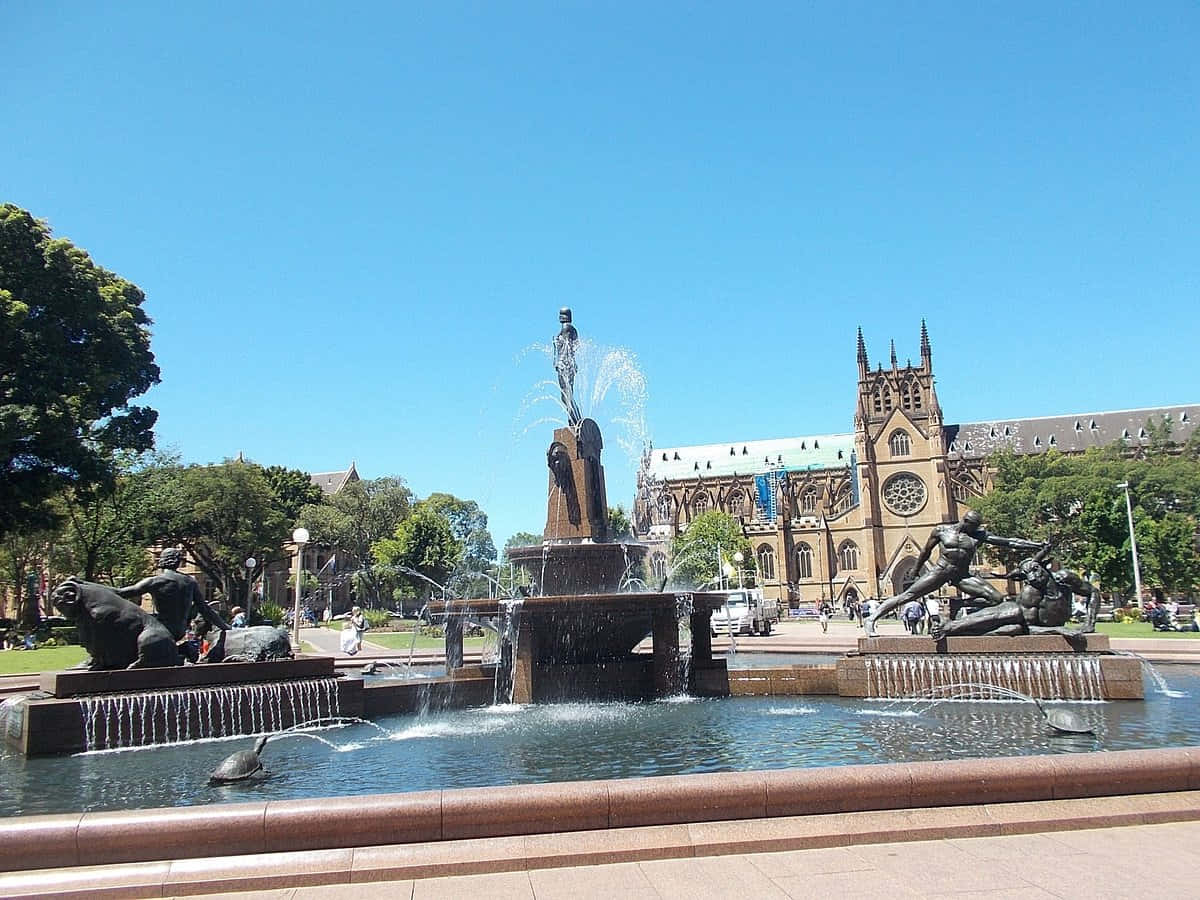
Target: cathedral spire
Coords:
[[926, 353], [894, 363], [863, 365]]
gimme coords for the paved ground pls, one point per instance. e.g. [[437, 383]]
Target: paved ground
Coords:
[[1064, 849], [1146, 858], [1097, 863]]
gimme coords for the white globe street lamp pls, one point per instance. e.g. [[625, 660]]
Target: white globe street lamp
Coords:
[[299, 538], [738, 559], [251, 562]]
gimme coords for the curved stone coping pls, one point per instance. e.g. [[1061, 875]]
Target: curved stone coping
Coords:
[[88, 839]]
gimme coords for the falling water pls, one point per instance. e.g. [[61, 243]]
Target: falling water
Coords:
[[175, 716], [1051, 677], [509, 628], [1160, 683]]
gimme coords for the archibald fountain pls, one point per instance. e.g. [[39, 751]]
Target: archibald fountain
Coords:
[[575, 636]]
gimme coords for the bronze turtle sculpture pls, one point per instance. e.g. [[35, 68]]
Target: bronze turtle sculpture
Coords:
[[240, 766], [1066, 721]]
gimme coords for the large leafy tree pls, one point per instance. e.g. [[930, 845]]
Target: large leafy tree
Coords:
[[351, 522], [710, 542], [103, 537], [469, 524], [1075, 502], [220, 515], [293, 490], [424, 543], [74, 351]]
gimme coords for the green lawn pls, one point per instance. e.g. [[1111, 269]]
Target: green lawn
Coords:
[[45, 659], [402, 640], [1140, 630]]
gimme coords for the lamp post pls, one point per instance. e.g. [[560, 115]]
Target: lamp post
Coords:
[[738, 559], [1137, 574], [299, 538], [727, 572], [251, 562]]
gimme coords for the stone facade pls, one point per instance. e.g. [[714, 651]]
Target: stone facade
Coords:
[[845, 515]]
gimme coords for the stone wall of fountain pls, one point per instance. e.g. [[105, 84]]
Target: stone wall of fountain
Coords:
[[80, 710], [1047, 667]]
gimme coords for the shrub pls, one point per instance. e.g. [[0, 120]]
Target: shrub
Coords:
[[268, 614], [378, 618]]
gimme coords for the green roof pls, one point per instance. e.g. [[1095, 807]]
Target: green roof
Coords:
[[818, 451]]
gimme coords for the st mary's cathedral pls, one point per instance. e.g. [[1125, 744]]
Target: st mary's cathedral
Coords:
[[845, 515]]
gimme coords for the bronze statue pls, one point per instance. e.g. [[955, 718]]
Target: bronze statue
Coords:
[[959, 542], [1042, 607], [116, 633], [175, 595], [558, 458], [564, 365]]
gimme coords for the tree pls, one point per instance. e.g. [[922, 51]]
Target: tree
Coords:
[[619, 528], [104, 535], [19, 557], [220, 515], [521, 539], [293, 490], [1074, 502], [468, 523], [425, 543], [74, 350], [352, 521], [710, 541]]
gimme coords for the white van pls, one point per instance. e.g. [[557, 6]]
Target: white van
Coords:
[[745, 612]]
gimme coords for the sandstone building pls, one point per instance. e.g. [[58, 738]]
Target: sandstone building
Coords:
[[845, 515]]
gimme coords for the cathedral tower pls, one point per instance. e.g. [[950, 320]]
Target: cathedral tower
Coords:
[[901, 460]]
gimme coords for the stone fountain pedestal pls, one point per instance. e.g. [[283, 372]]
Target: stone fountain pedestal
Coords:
[[1045, 666], [572, 648], [576, 556], [79, 710]]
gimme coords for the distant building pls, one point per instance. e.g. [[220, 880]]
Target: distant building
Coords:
[[332, 482], [845, 515]]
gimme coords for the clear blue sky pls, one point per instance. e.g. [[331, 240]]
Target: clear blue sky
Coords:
[[351, 219]]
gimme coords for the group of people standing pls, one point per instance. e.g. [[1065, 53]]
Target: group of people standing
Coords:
[[916, 616]]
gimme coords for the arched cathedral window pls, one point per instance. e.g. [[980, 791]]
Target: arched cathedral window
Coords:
[[736, 503], [804, 561], [766, 562], [699, 504], [900, 443], [848, 555], [808, 500]]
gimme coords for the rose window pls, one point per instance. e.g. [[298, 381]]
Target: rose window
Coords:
[[904, 494]]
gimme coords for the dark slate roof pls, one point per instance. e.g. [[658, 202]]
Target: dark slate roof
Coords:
[[1068, 434], [332, 482]]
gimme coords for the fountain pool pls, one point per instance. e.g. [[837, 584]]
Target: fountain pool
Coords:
[[585, 741]]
